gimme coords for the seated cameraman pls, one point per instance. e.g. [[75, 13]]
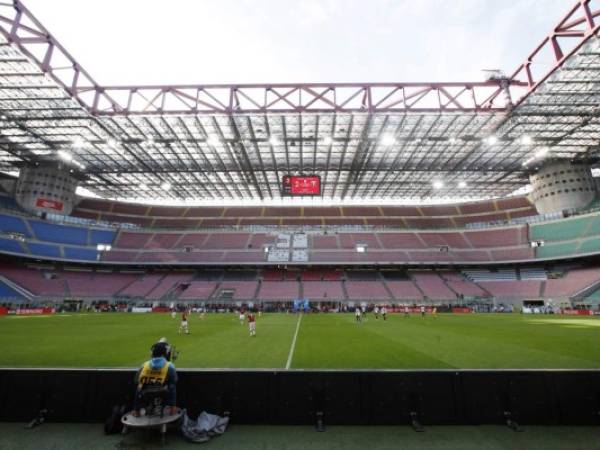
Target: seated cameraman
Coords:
[[158, 371]]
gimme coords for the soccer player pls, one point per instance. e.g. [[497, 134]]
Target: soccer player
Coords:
[[358, 314], [376, 311], [173, 314], [242, 317], [434, 311], [384, 312], [422, 311], [183, 326], [252, 324], [406, 311]]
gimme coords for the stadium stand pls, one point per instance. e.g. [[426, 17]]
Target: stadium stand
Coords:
[[323, 290], [366, 290], [279, 290], [35, 238], [378, 216], [432, 285], [412, 286], [197, 290]]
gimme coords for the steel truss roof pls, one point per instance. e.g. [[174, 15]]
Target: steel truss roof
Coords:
[[368, 142]]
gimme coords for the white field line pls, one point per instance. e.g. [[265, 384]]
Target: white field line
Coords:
[[293, 347]]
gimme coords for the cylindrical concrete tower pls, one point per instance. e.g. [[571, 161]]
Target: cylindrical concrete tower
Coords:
[[47, 188], [562, 185]]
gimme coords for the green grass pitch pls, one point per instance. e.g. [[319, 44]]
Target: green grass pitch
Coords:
[[323, 341]]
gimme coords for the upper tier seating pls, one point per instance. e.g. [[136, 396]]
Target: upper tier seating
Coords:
[[60, 234], [52, 241], [435, 216], [14, 224]]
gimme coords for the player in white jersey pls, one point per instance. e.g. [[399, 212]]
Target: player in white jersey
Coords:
[[184, 323], [422, 311], [358, 314], [173, 314], [242, 317], [383, 311], [376, 311]]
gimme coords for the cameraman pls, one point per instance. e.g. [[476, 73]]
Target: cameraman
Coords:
[[158, 371]]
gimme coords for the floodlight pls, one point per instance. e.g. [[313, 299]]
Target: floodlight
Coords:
[[388, 139], [65, 156]]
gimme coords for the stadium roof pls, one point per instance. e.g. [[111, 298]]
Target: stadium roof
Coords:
[[382, 142]]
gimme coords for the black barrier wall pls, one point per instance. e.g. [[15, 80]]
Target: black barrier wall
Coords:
[[295, 397]]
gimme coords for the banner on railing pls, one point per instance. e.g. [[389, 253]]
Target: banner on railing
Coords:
[[34, 311], [578, 312]]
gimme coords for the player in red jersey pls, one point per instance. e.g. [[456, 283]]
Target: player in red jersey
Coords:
[[184, 323], [251, 323]]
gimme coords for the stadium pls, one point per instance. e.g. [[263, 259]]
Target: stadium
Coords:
[[366, 258]]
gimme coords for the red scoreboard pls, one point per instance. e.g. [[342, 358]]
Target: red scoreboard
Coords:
[[301, 185]]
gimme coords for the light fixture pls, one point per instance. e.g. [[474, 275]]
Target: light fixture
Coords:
[[541, 152], [65, 156], [526, 140], [438, 184], [104, 247], [273, 140], [112, 143], [462, 184], [78, 142], [388, 139], [453, 140], [491, 140], [143, 186], [166, 186], [213, 140], [327, 140]]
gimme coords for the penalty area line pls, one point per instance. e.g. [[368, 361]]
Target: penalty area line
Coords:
[[293, 347]]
